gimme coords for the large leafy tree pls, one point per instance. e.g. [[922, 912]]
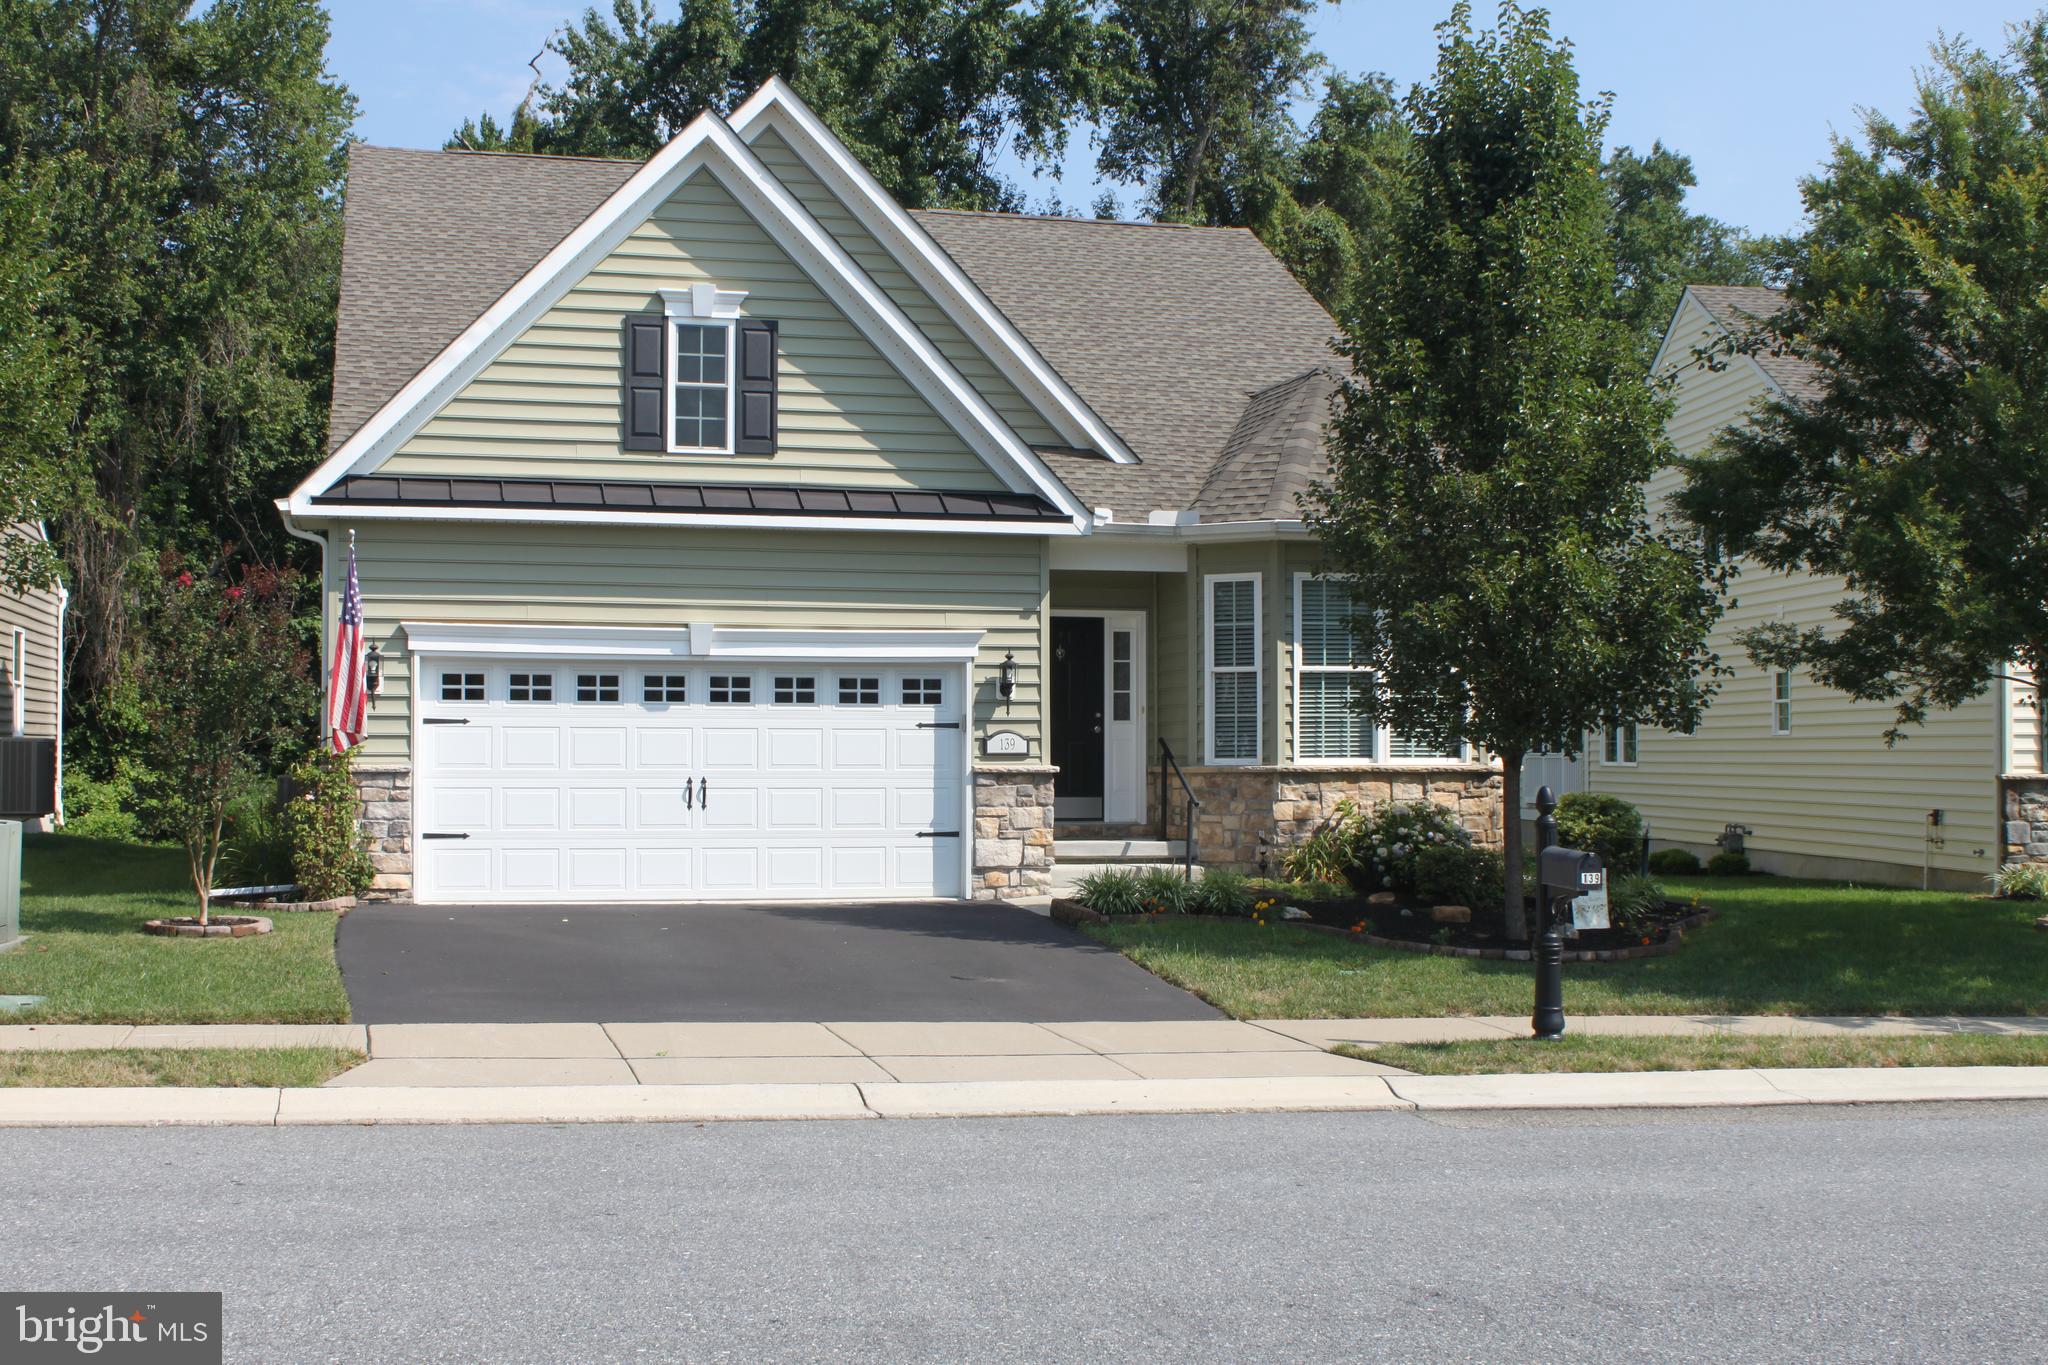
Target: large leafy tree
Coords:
[[1486, 490], [39, 387], [1917, 468], [1661, 246], [192, 161], [928, 93]]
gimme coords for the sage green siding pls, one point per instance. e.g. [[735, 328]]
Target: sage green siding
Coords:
[[1830, 797], [37, 614], [662, 577], [966, 357], [549, 406]]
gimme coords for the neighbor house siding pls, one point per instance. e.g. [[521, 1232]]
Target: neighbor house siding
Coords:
[[2023, 721], [549, 406], [629, 576], [881, 267], [1830, 797], [38, 615]]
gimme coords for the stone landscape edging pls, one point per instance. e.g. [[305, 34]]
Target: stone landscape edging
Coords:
[[1074, 914]]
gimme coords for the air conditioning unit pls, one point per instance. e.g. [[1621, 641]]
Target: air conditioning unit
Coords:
[[28, 778]]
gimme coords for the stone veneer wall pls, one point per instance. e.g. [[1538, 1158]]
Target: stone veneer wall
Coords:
[[386, 797], [2025, 801], [1286, 804], [1012, 833]]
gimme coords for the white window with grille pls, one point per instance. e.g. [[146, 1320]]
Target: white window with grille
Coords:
[[1332, 689], [1232, 612]]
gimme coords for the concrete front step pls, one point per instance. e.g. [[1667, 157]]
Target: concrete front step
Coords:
[[1066, 876], [1118, 850]]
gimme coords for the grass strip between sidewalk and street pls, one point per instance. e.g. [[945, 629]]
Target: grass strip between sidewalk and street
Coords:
[[1718, 1053], [82, 907], [1778, 947], [186, 1066]]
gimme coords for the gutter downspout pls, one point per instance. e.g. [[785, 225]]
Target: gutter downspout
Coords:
[[63, 611], [320, 654]]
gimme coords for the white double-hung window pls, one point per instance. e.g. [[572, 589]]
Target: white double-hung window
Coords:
[[1333, 723], [1232, 618], [1332, 688], [702, 388]]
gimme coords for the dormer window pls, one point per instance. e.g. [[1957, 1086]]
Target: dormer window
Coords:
[[703, 388], [700, 379]]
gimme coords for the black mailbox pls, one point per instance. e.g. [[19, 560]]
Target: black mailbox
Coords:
[[1570, 872]]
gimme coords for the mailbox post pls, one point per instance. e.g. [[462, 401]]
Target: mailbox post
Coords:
[[1562, 875]]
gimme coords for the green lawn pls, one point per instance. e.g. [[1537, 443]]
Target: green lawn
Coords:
[[82, 903], [203, 1066], [1701, 1054], [1779, 947]]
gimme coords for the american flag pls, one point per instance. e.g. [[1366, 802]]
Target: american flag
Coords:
[[347, 695]]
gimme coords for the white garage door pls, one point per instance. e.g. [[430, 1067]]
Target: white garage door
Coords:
[[596, 781]]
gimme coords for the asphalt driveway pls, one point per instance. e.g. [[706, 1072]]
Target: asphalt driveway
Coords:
[[425, 964]]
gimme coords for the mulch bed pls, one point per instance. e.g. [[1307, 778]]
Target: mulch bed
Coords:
[[1409, 928]]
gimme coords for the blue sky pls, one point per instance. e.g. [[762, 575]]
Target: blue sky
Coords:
[[1752, 90]]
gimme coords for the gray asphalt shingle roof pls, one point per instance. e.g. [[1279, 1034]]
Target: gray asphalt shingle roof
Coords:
[[1165, 331], [1740, 308]]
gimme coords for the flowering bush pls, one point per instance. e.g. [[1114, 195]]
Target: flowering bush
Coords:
[[329, 860], [1387, 844]]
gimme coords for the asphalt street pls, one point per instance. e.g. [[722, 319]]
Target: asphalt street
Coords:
[[1842, 1235]]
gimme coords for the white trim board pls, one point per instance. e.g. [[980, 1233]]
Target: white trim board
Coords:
[[706, 144], [698, 640], [775, 105], [331, 513]]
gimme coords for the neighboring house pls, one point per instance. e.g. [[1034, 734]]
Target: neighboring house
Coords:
[[727, 531], [32, 687], [1805, 769]]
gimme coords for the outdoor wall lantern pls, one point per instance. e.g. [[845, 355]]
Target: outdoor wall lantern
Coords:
[[373, 671], [1007, 686]]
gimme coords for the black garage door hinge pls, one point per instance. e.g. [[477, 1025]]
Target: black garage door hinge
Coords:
[[444, 720], [938, 834], [938, 725], [444, 836]]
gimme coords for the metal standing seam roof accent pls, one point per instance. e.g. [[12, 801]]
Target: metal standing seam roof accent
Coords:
[[409, 490], [1166, 331]]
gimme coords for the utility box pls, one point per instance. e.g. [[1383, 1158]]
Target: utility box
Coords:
[[10, 883]]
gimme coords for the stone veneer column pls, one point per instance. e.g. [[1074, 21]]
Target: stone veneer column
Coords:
[[386, 798], [2026, 819], [1012, 833]]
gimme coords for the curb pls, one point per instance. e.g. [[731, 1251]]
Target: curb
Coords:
[[151, 1107]]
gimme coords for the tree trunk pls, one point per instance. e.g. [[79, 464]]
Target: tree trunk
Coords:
[[1511, 846]]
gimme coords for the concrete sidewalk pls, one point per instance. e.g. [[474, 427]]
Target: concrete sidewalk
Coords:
[[364, 1105]]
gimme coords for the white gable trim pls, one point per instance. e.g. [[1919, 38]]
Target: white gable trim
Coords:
[[777, 106], [323, 514], [1671, 330], [707, 144]]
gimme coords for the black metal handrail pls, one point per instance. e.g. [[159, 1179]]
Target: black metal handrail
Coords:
[[1168, 764]]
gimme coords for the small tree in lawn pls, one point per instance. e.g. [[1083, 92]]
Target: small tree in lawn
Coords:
[[224, 687], [1917, 468], [1485, 497]]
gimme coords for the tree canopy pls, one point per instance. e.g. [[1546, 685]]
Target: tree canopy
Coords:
[[1915, 468], [1486, 492]]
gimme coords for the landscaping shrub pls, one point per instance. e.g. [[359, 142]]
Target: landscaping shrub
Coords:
[[1631, 899], [1223, 893], [328, 857], [255, 849], [1297, 892], [100, 810], [1112, 891], [1164, 891], [1458, 874], [1325, 855], [1387, 844], [2021, 881], [1674, 862], [1602, 824], [1728, 865]]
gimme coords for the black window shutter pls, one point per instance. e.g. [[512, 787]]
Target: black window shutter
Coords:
[[754, 401], [644, 382]]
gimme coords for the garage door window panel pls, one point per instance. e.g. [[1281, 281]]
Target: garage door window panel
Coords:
[[795, 690], [860, 691], [731, 689], [462, 687], [597, 687], [530, 687], [665, 688]]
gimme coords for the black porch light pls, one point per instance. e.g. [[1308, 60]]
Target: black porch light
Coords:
[[373, 670], [1007, 685]]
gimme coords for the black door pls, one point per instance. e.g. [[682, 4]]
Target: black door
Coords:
[[1076, 709]]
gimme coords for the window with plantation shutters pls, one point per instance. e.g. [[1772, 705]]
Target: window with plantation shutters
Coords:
[[1333, 691], [1233, 650]]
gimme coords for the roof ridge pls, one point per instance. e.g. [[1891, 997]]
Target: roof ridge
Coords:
[[1080, 222], [550, 157]]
